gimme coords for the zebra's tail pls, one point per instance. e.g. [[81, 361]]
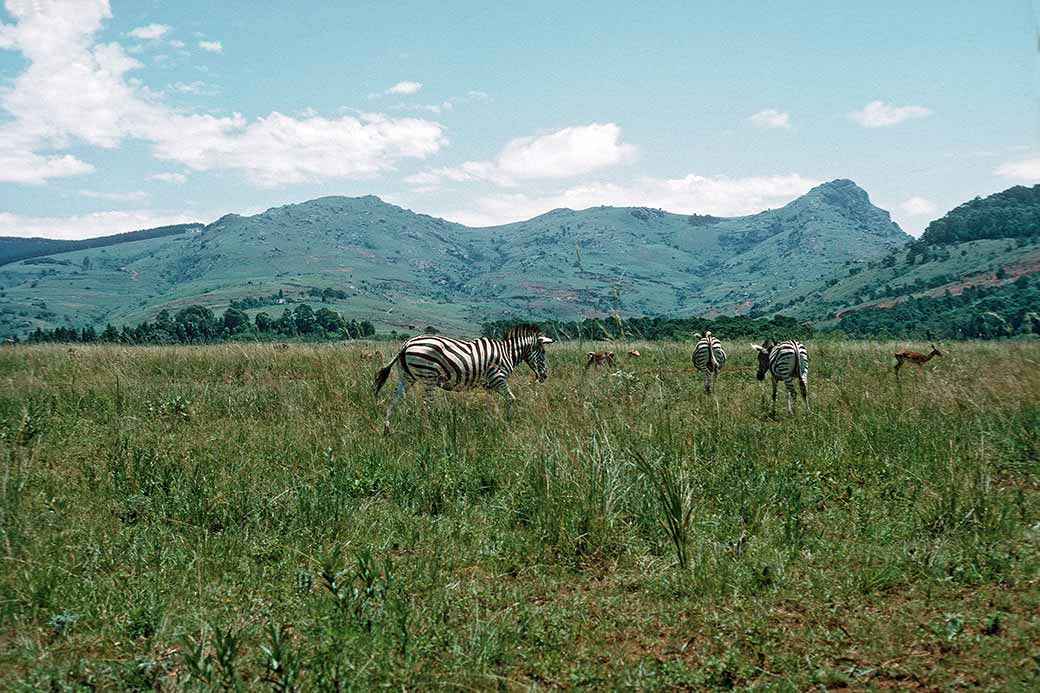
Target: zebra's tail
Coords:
[[384, 372]]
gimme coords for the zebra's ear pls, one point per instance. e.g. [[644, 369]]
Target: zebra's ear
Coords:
[[697, 335], [545, 340], [756, 347]]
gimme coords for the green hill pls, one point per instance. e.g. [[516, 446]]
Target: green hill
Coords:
[[983, 244], [403, 270]]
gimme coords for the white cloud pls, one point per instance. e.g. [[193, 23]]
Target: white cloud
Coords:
[[1027, 170], [150, 32], [918, 206], [177, 44], [88, 225], [134, 196], [197, 87], [169, 177], [770, 119], [717, 195], [211, 46], [878, 114], [76, 91], [564, 153], [405, 88]]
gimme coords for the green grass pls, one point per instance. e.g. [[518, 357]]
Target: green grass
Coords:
[[231, 517]]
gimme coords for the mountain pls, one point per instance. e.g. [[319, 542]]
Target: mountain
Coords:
[[981, 248], [403, 270]]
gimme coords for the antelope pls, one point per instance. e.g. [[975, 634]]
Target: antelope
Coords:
[[369, 355], [916, 358], [601, 358]]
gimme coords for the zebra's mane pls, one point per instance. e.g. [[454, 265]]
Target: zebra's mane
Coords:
[[522, 331]]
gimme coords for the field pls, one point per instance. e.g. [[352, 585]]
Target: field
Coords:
[[231, 517]]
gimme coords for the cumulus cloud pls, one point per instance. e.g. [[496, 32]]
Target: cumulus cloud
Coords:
[[770, 119], [169, 177], [918, 206], [564, 153], [150, 32], [88, 225], [211, 46], [717, 195], [1026, 170], [878, 114], [405, 88], [76, 91]]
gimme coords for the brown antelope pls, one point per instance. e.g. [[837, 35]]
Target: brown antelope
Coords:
[[634, 354], [281, 347], [369, 355], [601, 358], [916, 358]]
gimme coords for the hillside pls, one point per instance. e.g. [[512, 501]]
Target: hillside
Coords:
[[982, 244], [13, 248], [401, 269]]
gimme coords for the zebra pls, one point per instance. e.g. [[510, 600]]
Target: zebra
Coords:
[[785, 360], [709, 357], [456, 364]]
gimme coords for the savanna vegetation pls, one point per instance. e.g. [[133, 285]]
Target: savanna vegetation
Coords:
[[980, 312], [230, 517]]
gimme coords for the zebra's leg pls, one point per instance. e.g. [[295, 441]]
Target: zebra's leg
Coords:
[[789, 386], [775, 383], [501, 385], [427, 398], [803, 385], [707, 380], [398, 394]]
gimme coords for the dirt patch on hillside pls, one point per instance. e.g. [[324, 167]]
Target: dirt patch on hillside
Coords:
[[1013, 271]]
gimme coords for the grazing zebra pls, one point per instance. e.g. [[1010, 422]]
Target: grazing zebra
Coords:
[[785, 361], [601, 358], [709, 357], [455, 364]]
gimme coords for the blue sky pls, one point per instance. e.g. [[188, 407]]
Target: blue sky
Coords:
[[133, 114]]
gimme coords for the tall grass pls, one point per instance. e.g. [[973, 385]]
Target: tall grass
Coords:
[[232, 517]]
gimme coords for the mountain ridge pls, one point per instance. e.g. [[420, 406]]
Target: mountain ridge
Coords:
[[401, 268]]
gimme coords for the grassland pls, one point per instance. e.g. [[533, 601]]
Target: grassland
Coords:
[[231, 517]]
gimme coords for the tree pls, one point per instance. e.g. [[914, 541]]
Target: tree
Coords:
[[367, 329], [196, 324], [110, 334], [329, 320], [263, 323], [236, 321], [303, 316]]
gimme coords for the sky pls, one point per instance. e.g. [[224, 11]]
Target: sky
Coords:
[[123, 115]]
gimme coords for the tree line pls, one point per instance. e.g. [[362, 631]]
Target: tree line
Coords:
[[661, 328], [200, 325]]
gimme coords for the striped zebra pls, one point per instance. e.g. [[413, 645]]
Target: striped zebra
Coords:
[[456, 364], [785, 361], [709, 357]]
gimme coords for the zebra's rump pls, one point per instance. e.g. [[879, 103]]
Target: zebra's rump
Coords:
[[789, 359], [708, 347], [449, 363]]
